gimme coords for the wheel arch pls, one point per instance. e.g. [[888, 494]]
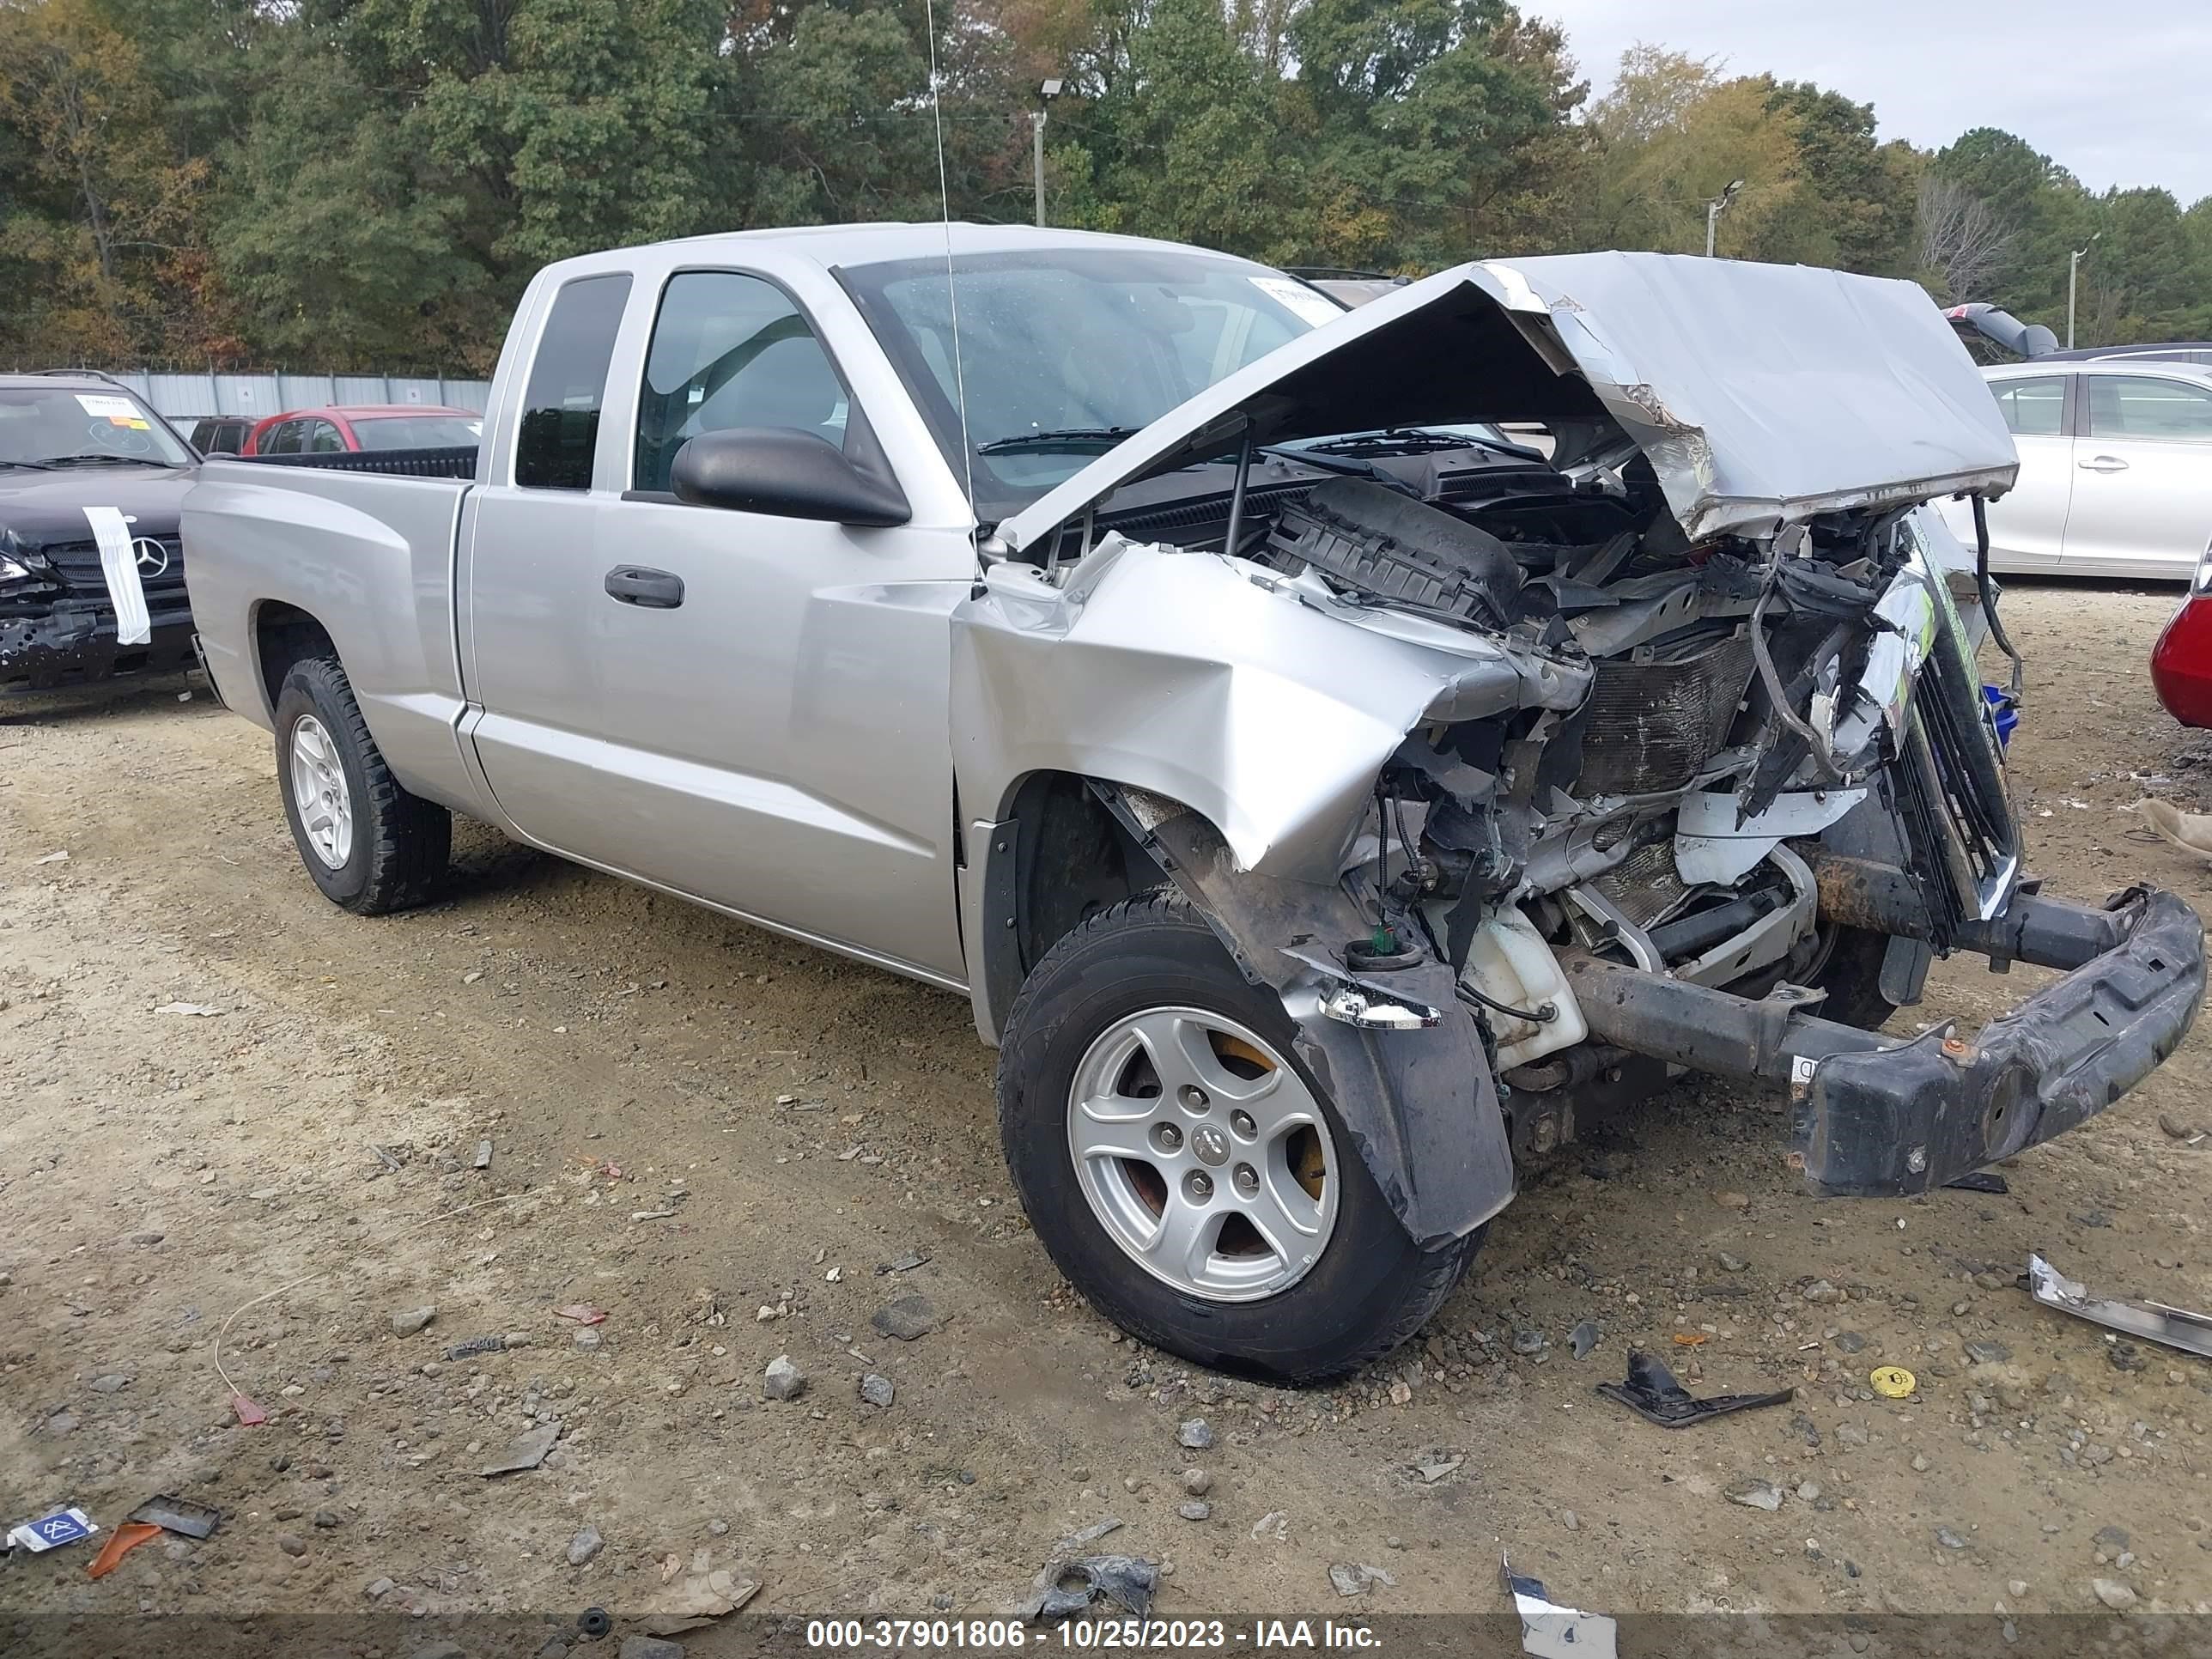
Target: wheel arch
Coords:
[[283, 636]]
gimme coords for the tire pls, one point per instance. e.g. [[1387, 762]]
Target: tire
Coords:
[[1850, 971], [1251, 1309], [395, 845]]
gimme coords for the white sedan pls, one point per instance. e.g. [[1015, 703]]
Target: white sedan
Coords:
[[2115, 469]]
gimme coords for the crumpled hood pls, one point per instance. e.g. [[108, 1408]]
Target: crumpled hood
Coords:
[[1761, 394], [43, 509]]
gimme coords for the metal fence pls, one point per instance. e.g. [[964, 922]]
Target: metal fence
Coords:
[[179, 396]]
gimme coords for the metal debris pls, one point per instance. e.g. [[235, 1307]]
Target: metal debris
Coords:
[[179, 1514], [1549, 1630], [2177, 1327], [905, 1263], [48, 1532], [1653, 1395], [477, 1345]]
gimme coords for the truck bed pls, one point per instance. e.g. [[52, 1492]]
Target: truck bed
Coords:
[[365, 544]]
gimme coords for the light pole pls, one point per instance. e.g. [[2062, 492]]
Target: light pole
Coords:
[[2073, 271], [1048, 91], [1716, 207]]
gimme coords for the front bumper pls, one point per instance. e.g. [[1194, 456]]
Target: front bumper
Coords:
[[1874, 1116], [73, 643]]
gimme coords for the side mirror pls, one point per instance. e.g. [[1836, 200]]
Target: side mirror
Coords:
[[786, 472]]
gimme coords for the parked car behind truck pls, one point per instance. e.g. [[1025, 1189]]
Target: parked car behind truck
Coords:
[[1323, 805]]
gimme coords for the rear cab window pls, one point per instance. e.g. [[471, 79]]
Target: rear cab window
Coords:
[[568, 384]]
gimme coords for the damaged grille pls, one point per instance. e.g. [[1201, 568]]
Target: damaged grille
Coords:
[[78, 565], [1657, 716], [1951, 797]]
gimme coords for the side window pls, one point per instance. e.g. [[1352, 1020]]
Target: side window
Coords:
[[729, 350], [326, 439], [2144, 406], [2033, 407], [283, 439], [568, 383]]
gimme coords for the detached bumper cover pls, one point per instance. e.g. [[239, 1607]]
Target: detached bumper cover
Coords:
[[1910, 1117]]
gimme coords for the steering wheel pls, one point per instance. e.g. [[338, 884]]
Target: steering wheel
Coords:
[[121, 440]]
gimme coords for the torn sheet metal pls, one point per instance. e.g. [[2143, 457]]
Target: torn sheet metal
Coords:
[[1549, 1630], [2177, 1327], [1881, 404], [118, 562], [1211, 681], [1653, 1395]]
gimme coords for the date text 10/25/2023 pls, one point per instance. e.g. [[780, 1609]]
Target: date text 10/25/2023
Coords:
[[1006, 1636]]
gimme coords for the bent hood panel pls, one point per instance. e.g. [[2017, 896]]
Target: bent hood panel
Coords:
[[1761, 394]]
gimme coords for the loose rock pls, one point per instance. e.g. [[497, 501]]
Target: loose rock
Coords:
[[2114, 1593], [782, 1380], [1197, 1482], [292, 1544], [1355, 1578], [1195, 1435], [876, 1389], [1756, 1495], [408, 1320], [1194, 1511], [649, 1647], [583, 1546]]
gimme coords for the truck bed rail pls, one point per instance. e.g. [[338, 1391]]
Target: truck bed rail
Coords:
[[444, 463]]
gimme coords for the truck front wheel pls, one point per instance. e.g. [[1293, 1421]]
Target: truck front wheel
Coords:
[[368, 844], [1186, 1173]]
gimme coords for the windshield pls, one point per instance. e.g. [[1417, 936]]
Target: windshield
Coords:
[[418, 431], [1068, 350], [57, 425]]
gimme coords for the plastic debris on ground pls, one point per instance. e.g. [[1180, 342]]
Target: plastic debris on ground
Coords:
[[1981, 1180], [1549, 1630], [1653, 1395], [1893, 1382], [180, 1516], [198, 1009], [2191, 831], [2154, 1321], [51, 1532], [120, 1542], [582, 1312], [1066, 1588]]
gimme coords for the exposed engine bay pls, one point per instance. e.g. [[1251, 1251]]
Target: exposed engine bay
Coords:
[[1733, 701]]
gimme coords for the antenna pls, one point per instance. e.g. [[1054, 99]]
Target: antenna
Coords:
[[952, 291]]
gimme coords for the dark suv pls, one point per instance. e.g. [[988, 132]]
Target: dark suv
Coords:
[[92, 576]]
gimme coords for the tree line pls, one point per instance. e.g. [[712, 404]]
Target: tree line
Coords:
[[367, 184]]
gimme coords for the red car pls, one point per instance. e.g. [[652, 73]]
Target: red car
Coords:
[[364, 426], [2181, 661]]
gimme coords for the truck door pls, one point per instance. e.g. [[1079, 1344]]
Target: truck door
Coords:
[[747, 709]]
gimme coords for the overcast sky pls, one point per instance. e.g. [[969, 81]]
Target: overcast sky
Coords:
[[2118, 93]]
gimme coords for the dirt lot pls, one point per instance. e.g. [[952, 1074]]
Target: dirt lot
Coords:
[[723, 1138]]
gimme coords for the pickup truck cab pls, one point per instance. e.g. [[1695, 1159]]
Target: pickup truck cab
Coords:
[[1325, 803]]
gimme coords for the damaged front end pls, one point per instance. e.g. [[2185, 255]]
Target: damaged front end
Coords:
[[1528, 784], [57, 619]]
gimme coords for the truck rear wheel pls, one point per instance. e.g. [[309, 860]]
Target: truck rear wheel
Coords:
[[368, 844], [1183, 1169]]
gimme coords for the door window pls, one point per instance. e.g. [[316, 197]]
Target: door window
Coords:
[[729, 350], [324, 439], [283, 439], [2033, 407], [2145, 406], [568, 383]]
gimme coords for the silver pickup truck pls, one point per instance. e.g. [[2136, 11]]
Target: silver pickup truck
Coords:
[[1326, 800]]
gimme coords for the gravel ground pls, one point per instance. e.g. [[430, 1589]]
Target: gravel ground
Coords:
[[739, 1148]]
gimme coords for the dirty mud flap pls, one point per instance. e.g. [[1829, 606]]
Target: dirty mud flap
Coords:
[[1909, 1118], [1419, 1105]]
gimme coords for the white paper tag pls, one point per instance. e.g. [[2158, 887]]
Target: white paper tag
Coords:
[[1301, 302], [118, 562], [116, 411]]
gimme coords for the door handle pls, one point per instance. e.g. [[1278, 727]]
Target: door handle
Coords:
[[640, 585], [2103, 463]]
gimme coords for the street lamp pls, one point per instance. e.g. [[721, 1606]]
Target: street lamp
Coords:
[[1049, 91], [1716, 207], [2073, 270]]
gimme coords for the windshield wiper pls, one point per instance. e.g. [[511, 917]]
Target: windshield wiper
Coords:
[[102, 457], [1066, 440], [42, 466]]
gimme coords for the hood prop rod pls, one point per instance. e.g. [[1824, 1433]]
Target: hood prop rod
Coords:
[[1235, 534]]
